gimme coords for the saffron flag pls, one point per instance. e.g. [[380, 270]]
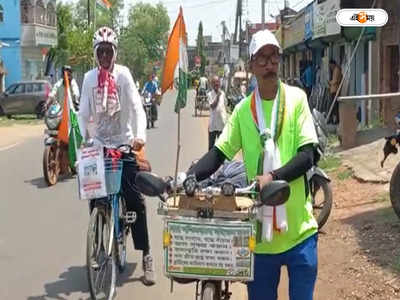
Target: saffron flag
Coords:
[[176, 62], [68, 131], [104, 3]]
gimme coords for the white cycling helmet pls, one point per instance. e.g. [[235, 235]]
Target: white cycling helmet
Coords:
[[105, 35]]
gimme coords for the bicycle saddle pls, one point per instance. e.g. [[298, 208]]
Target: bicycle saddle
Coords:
[[150, 184], [275, 193]]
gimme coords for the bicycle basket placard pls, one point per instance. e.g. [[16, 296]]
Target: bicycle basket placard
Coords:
[[209, 250], [91, 173]]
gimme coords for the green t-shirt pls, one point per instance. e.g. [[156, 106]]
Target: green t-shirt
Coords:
[[241, 133]]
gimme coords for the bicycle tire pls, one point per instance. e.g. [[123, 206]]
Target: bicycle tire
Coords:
[[395, 190], [99, 220], [325, 209], [210, 291], [121, 245]]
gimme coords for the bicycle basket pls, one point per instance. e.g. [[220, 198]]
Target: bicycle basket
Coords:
[[113, 173]]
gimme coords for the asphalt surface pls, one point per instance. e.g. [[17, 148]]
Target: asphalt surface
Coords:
[[43, 229]]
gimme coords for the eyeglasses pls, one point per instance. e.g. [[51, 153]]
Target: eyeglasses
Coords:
[[105, 51], [262, 60]]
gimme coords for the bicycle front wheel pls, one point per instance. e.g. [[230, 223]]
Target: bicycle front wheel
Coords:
[[101, 266]]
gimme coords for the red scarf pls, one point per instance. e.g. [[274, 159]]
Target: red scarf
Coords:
[[105, 78]]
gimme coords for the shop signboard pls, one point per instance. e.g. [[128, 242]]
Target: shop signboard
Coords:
[[324, 18]]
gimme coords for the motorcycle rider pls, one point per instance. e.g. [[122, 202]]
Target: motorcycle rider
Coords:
[[57, 92], [151, 87], [110, 98]]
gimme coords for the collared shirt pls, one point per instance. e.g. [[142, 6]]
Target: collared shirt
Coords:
[[57, 92], [240, 133], [117, 129], [218, 114], [151, 87]]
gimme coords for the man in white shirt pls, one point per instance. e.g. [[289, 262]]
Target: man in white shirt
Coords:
[[57, 92], [216, 99], [111, 101]]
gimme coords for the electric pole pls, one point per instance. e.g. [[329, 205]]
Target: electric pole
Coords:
[[262, 14]]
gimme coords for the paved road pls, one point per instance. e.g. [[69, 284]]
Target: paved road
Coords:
[[43, 230]]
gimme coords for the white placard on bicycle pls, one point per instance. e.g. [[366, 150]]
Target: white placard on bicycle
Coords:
[[92, 183]]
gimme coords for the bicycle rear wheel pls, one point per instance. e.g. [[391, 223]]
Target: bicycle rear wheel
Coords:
[[101, 267]]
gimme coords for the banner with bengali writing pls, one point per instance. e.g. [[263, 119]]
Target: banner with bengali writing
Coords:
[[209, 250]]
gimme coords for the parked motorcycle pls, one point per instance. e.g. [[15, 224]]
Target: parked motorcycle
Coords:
[[318, 180], [55, 155], [391, 146], [149, 108]]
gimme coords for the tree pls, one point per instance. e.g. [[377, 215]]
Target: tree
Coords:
[[104, 17], [200, 48], [143, 41]]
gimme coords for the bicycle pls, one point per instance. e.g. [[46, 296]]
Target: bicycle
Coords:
[[200, 102], [206, 238], [107, 232]]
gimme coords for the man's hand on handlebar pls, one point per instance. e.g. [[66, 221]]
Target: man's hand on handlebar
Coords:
[[137, 144], [264, 180]]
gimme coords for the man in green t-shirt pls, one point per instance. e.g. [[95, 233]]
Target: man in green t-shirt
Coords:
[[273, 128]]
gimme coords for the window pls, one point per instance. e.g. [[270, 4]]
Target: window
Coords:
[[27, 11], [40, 12], [28, 88], [19, 89], [1, 13], [11, 88], [36, 87], [51, 15]]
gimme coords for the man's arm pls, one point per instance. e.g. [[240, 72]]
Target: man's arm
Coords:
[[297, 166], [214, 103], [54, 90], [208, 164], [134, 99], [84, 109]]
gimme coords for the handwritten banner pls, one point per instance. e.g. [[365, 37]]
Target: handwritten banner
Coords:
[[206, 250], [91, 173]]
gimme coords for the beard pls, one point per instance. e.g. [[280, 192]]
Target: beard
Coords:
[[270, 75]]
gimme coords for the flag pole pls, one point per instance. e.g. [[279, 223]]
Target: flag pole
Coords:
[[178, 150]]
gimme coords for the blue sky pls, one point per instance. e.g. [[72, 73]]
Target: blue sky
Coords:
[[212, 12]]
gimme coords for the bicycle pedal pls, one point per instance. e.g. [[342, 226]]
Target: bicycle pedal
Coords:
[[130, 217]]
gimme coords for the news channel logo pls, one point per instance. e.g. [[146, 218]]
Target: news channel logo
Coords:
[[369, 17]]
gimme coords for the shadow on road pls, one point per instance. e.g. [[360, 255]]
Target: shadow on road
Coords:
[[40, 183], [74, 280], [378, 235], [201, 116]]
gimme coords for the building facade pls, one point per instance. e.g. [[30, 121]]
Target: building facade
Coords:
[[29, 27]]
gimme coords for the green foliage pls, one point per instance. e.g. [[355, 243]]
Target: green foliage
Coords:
[[345, 174], [200, 49], [329, 162], [143, 41]]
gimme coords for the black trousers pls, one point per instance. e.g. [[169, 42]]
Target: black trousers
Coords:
[[334, 119], [134, 202], [212, 137]]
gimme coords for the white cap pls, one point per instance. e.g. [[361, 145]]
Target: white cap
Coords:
[[262, 38]]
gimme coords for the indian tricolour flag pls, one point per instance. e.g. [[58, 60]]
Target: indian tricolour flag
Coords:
[[69, 132], [104, 3], [176, 62]]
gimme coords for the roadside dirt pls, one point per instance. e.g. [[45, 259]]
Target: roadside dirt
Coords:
[[358, 247]]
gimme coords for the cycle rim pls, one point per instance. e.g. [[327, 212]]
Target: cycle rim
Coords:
[[102, 278]]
